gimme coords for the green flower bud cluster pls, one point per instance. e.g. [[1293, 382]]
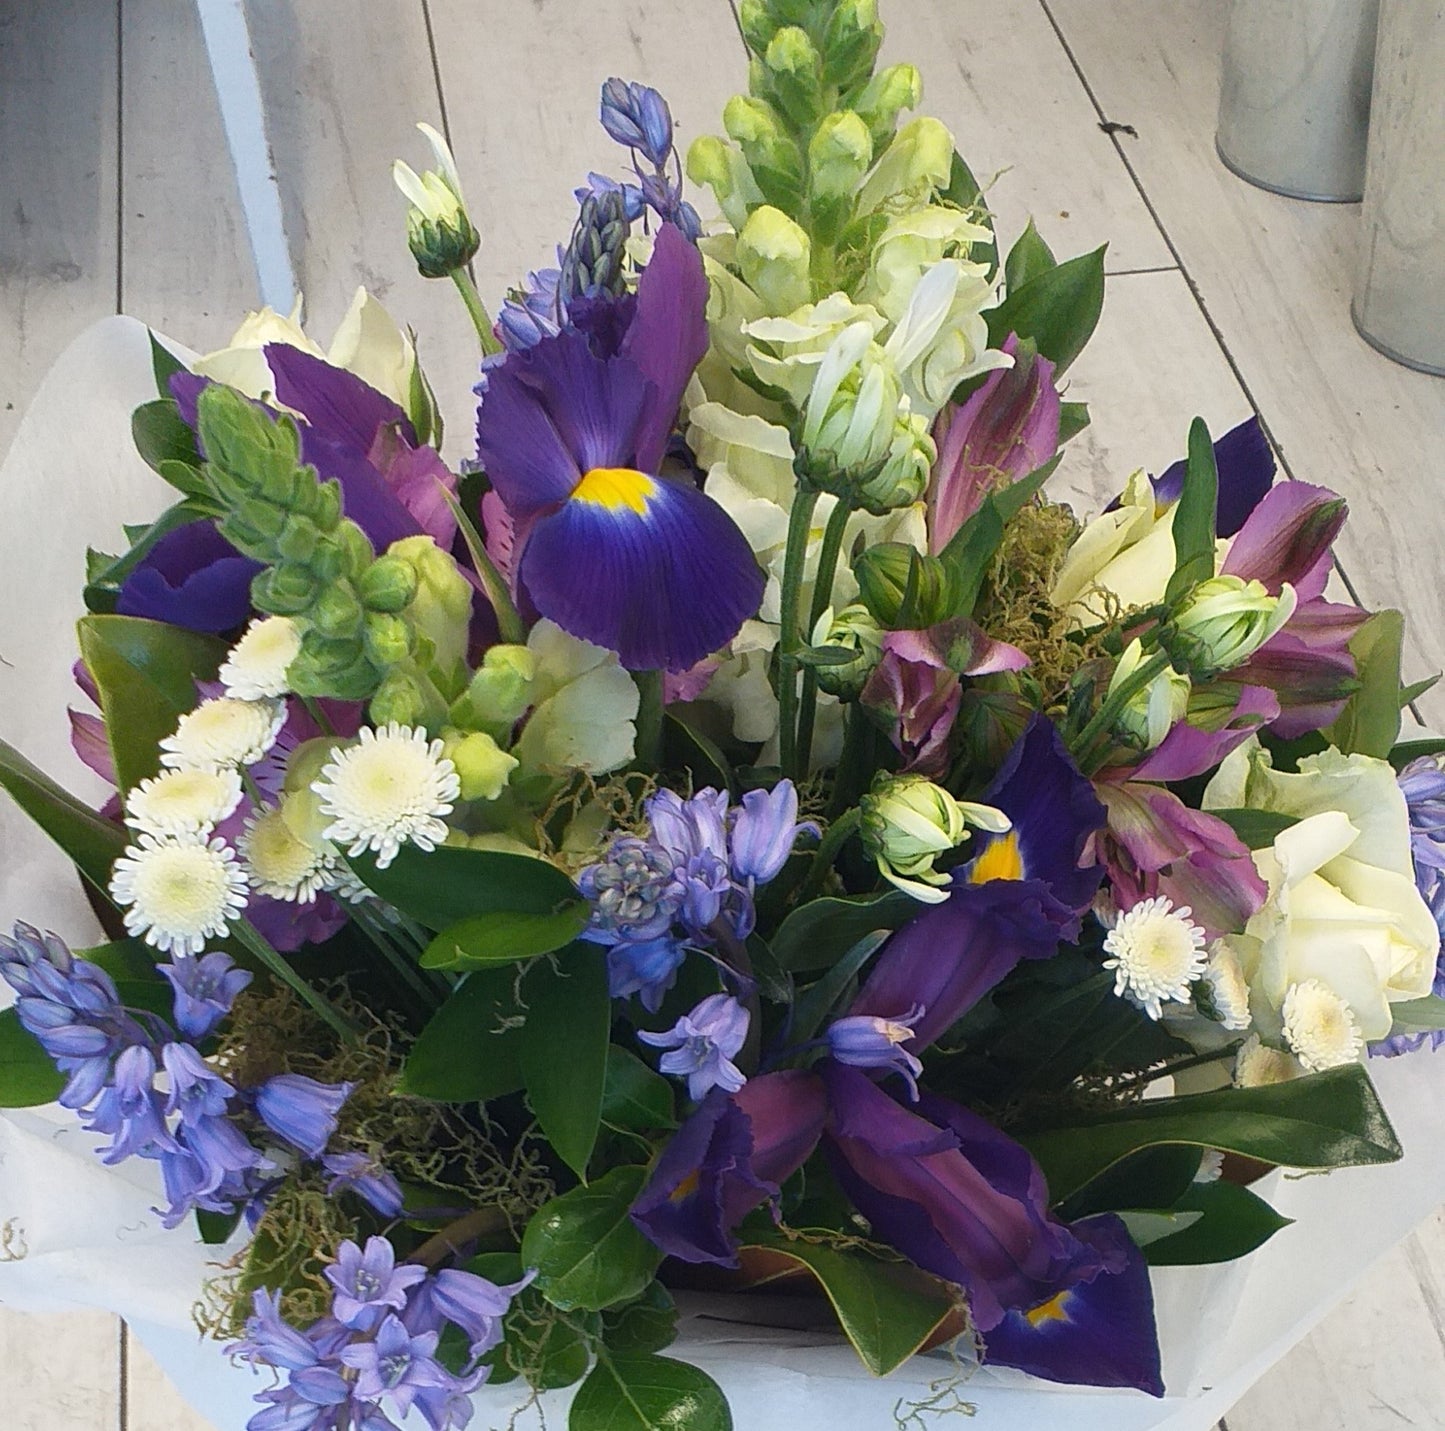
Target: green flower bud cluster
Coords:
[[903, 588], [854, 639], [320, 567], [439, 232]]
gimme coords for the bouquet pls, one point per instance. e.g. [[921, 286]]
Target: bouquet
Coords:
[[733, 831]]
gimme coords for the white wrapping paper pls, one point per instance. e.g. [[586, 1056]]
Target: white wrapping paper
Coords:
[[76, 1234]]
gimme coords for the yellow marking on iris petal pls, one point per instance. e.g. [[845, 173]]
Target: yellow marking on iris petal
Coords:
[[685, 1188], [1000, 860], [613, 488], [1054, 1310]]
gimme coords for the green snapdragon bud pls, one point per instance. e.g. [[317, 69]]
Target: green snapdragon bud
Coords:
[[839, 154], [774, 254], [387, 638], [774, 159], [284, 590], [759, 23], [441, 609], [388, 584], [483, 767], [915, 166], [723, 169], [884, 97], [792, 76], [400, 698], [332, 667], [500, 691], [850, 42], [337, 612]]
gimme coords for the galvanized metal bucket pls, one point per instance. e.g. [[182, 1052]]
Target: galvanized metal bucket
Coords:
[[1399, 303], [1294, 105]]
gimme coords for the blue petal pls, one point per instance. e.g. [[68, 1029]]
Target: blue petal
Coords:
[[1246, 470], [663, 586]]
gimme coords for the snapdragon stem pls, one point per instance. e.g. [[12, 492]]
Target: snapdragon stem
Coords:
[[1097, 730], [790, 637], [822, 595], [834, 838], [477, 312]]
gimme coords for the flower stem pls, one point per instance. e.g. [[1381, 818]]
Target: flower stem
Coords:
[[247, 934], [735, 955], [790, 637], [836, 836], [452, 1238], [1085, 743], [822, 596], [648, 750], [477, 311]]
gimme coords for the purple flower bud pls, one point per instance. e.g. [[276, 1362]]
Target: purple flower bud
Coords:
[[205, 989], [369, 1282], [764, 829], [647, 968], [637, 115], [704, 1043], [865, 1041], [301, 1110], [476, 1305], [196, 1089], [367, 1178]]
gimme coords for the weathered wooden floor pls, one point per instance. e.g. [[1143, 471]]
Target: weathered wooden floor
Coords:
[[116, 195]]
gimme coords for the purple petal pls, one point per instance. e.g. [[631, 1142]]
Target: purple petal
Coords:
[[192, 578], [1188, 751], [785, 1110], [663, 587], [668, 337], [1287, 538], [421, 482], [337, 403], [365, 496], [90, 742], [186, 389], [1246, 470]]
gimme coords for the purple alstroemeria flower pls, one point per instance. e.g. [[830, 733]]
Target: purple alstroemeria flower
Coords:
[[1155, 844], [644, 565], [301, 1110], [1190, 750], [703, 1044], [1308, 666], [1004, 431], [645, 967], [867, 1041], [192, 578], [1246, 468], [1287, 539], [367, 1178], [967, 1203], [205, 988], [732, 1154], [764, 829], [1017, 899], [915, 690], [368, 1283]]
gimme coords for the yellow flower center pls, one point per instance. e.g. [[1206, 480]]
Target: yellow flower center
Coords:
[[615, 488], [1054, 1310], [1000, 860]]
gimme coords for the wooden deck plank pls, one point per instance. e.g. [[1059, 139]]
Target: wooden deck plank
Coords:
[[1274, 276]]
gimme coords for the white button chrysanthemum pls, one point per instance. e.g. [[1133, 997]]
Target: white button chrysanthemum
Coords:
[[178, 892], [392, 788], [282, 865], [256, 668], [1157, 953], [223, 732], [346, 885], [1228, 988], [1257, 1065], [1320, 1026], [181, 802]]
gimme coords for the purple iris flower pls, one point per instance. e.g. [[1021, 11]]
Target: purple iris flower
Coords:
[[867, 1041], [764, 830], [1026, 891], [367, 1178], [732, 1154], [368, 1283], [704, 1043], [301, 1110], [205, 988], [646, 566], [192, 578], [645, 967], [1246, 469]]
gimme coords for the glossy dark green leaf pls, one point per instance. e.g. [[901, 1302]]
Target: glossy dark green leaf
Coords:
[[639, 1392], [1326, 1120], [1194, 517], [27, 1076], [1257, 828], [469, 1051], [1028, 258], [564, 1055], [646, 1325], [886, 1309], [817, 934], [161, 435], [1370, 721], [164, 364], [503, 937], [587, 1251], [814, 1002], [215, 1227], [1417, 1016], [1408, 750], [449, 884], [537, 1342], [634, 1098], [1073, 419], [1232, 1222], [146, 673], [1152, 1177], [687, 748], [1147, 1226], [1058, 308], [92, 843]]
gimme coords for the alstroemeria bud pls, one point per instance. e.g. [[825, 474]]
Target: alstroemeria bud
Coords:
[[1153, 711], [793, 75], [482, 765], [1223, 622], [908, 822], [772, 153], [774, 254], [500, 691], [852, 629], [438, 231], [884, 97]]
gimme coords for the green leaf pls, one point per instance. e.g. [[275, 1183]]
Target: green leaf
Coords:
[[27, 1075], [503, 937], [1411, 693], [131, 965], [1028, 258], [1408, 750], [634, 1098], [1231, 1222], [92, 843], [646, 1325], [216, 1227], [1152, 1177], [564, 1055], [1257, 828], [964, 191], [1370, 721], [1326, 1120], [817, 934], [635, 1392], [1073, 419], [449, 884], [146, 672], [1058, 308], [687, 748], [587, 1251], [1417, 1016], [469, 1051], [814, 1002], [164, 364], [886, 1309], [1194, 518], [161, 435]]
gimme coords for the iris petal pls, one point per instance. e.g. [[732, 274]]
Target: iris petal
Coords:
[[663, 587]]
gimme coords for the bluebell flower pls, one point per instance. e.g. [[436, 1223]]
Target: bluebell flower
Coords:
[[205, 989], [704, 1043], [646, 967], [632, 201], [367, 1178], [397, 1364], [301, 1110], [634, 893], [196, 1088], [368, 1283], [637, 115], [866, 1041], [474, 1304], [764, 830]]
